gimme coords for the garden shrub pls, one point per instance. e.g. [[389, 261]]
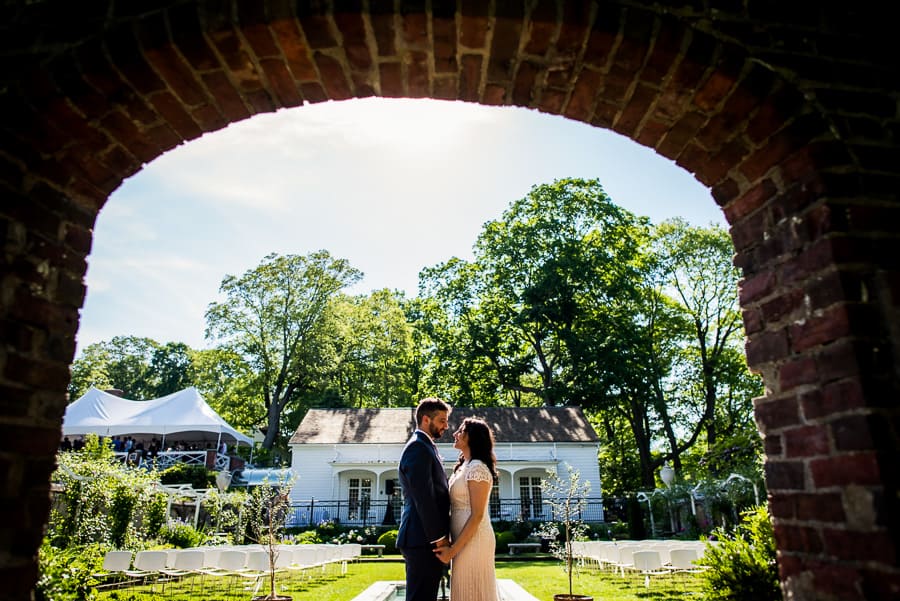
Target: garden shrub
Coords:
[[326, 529], [99, 497], [522, 530], [182, 536], [222, 512], [503, 540], [183, 473], [67, 574], [310, 537], [389, 540], [155, 515], [121, 511], [741, 566]]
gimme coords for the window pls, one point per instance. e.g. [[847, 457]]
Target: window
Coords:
[[531, 498], [359, 495], [494, 501]]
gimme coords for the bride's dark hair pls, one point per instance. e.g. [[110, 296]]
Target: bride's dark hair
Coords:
[[481, 444]]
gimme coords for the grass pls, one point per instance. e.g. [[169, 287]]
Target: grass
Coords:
[[543, 579]]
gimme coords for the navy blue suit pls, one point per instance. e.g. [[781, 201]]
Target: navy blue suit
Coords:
[[425, 517]]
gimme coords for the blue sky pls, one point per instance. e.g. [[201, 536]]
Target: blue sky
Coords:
[[391, 185]]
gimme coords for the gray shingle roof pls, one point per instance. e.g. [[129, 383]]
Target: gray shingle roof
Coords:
[[390, 426]]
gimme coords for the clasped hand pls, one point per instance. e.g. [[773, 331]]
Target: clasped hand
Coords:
[[444, 552]]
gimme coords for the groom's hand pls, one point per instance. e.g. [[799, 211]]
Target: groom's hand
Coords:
[[444, 553]]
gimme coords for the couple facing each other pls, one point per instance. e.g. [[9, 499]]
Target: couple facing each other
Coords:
[[447, 521]]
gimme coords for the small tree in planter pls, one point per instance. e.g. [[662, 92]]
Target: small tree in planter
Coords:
[[567, 496], [267, 508]]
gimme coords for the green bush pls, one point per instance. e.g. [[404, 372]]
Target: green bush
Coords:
[[389, 540], [101, 499], [503, 540], [67, 574], [522, 530], [180, 535], [121, 511], [609, 531], [155, 515], [195, 475], [741, 566], [310, 537]]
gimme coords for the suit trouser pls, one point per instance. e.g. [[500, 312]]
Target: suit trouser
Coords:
[[423, 573]]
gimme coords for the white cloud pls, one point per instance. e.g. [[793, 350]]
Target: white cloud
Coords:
[[393, 186]]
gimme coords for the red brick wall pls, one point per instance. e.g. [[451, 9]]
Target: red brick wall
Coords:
[[788, 114]]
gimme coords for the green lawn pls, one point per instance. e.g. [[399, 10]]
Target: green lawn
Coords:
[[542, 579]]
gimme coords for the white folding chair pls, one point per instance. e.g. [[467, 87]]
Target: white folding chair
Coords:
[[229, 563], [148, 565], [305, 559], [682, 562], [255, 569], [186, 562], [115, 566], [648, 563]]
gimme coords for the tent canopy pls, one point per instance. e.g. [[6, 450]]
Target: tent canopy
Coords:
[[184, 412]]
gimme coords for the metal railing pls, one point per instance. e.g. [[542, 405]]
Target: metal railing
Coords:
[[387, 512], [164, 459]]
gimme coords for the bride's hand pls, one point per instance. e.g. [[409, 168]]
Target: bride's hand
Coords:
[[444, 554]]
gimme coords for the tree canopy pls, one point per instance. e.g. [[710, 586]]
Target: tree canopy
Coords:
[[568, 299]]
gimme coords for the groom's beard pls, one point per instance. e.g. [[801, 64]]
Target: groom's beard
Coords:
[[434, 432]]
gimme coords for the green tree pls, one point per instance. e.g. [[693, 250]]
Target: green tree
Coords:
[[171, 368], [273, 318], [459, 357], [712, 385], [141, 368], [123, 363], [230, 386], [562, 252], [373, 350]]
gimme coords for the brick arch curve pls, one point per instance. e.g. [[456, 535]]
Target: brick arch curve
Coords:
[[805, 172]]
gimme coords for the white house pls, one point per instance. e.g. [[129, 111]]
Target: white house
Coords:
[[345, 460]]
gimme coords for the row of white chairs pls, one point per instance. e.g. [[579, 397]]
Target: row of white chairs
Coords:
[[250, 562], [647, 558]]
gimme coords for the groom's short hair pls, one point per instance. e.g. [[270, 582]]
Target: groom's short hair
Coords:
[[429, 406]]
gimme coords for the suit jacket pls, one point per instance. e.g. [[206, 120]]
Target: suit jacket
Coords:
[[426, 498]]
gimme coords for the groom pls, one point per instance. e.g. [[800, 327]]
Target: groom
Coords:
[[425, 521]]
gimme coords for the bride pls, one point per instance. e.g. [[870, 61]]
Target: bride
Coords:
[[472, 550]]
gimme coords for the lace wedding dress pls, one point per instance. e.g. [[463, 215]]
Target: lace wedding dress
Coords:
[[472, 575]]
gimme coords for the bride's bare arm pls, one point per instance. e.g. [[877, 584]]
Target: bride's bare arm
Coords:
[[479, 493]]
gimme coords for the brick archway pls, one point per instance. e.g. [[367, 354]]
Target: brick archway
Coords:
[[790, 118]]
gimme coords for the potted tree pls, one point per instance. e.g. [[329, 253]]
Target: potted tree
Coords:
[[267, 506], [567, 496]]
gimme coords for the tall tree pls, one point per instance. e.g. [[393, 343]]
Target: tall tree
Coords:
[[230, 386], [700, 277], [273, 317], [373, 348], [171, 366], [461, 359], [123, 363], [563, 252]]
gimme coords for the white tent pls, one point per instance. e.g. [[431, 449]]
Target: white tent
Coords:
[[184, 412]]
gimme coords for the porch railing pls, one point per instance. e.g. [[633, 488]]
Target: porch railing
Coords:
[[165, 459], [387, 512]]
